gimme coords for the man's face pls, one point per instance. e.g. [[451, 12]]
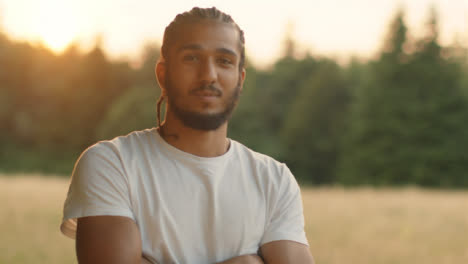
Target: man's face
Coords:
[[202, 77]]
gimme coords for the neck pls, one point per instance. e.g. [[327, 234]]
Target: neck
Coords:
[[201, 143]]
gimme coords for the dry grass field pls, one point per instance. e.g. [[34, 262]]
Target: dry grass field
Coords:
[[394, 226], [30, 214], [362, 225]]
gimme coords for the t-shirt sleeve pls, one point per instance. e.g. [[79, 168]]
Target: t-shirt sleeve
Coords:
[[286, 217], [99, 186]]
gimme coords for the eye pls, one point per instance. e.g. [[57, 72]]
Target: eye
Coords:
[[224, 61], [190, 57]]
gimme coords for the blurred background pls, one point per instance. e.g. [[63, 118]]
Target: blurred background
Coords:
[[365, 94]]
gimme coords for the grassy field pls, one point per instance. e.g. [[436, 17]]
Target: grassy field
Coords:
[[30, 215], [362, 225]]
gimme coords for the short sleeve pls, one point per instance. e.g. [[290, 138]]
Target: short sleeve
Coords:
[[286, 217], [99, 186]]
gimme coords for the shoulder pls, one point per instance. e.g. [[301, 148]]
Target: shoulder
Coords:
[[105, 165], [265, 165], [117, 152], [122, 144], [254, 156]]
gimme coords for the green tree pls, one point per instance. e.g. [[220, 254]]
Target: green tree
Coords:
[[407, 118], [441, 130], [377, 114], [133, 110], [136, 108], [315, 123]]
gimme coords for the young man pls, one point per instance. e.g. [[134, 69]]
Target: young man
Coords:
[[184, 192]]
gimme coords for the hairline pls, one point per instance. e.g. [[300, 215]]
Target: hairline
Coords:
[[199, 20]]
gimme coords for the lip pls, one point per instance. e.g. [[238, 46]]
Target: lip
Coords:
[[206, 97], [206, 94]]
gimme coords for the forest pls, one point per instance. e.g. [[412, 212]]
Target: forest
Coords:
[[400, 118]]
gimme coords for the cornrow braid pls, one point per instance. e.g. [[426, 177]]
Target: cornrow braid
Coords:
[[197, 14]]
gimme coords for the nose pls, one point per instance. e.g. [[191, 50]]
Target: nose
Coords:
[[208, 73]]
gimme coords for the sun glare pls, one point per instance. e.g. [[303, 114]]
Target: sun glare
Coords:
[[56, 25]]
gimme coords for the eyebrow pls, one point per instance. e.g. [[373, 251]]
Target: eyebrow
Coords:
[[199, 47]]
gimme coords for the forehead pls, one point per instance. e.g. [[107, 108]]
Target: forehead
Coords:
[[207, 35]]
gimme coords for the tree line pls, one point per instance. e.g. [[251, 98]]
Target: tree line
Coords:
[[400, 118]]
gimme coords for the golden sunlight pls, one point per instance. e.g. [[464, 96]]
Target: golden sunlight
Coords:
[[56, 24]]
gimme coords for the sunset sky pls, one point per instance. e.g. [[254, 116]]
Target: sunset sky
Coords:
[[337, 28]]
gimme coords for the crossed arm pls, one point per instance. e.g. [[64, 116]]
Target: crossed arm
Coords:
[[117, 240]]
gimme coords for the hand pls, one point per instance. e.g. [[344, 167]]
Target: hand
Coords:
[[244, 259]]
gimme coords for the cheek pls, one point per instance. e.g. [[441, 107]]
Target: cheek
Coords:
[[230, 79], [179, 81]]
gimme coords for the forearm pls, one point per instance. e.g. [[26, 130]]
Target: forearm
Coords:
[[245, 259], [285, 251]]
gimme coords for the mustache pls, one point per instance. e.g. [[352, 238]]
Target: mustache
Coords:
[[206, 88]]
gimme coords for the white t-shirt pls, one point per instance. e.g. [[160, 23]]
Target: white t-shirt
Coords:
[[189, 209]]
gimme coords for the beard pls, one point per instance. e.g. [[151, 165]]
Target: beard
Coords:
[[201, 121]]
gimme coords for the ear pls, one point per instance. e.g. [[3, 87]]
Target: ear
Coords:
[[242, 78], [160, 70]]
